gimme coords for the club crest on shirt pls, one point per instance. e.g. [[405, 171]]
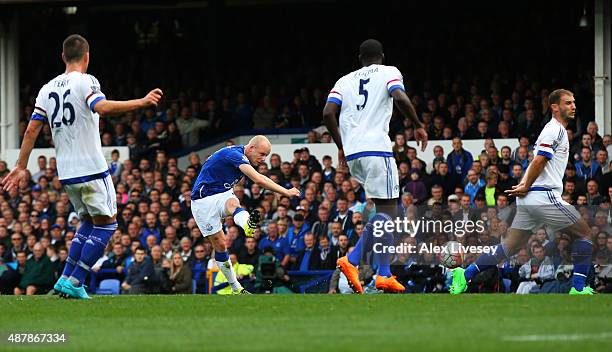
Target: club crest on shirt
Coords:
[[208, 227], [95, 89]]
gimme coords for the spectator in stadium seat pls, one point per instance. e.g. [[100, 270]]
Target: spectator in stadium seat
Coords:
[[180, 275], [459, 161], [185, 249], [592, 195], [249, 253], [537, 271], [324, 256], [158, 283], [39, 274], [17, 245], [264, 115], [303, 259], [602, 159], [588, 169], [399, 148], [321, 226], [463, 131], [335, 230], [150, 229], [490, 191], [416, 187], [474, 185], [42, 166], [139, 273], [283, 246], [10, 279], [343, 214], [309, 160], [443, 178], [602, 221], [342, 247], [295, 233], [190, 127], [585, 141], [116, 260]]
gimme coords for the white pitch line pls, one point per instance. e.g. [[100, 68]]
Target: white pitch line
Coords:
[[572, 337]]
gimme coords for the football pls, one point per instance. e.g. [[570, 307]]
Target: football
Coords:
[[452, 256]]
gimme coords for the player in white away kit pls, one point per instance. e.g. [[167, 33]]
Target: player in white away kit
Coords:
[[364, 99], [539, 202], [70, 104]]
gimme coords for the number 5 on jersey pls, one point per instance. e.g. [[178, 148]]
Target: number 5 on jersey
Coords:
[[364, 92]]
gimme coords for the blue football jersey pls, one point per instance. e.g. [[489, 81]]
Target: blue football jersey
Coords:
[[220, 172]]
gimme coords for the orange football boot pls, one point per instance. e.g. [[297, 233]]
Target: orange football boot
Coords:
[[389, 284], [351, 272]]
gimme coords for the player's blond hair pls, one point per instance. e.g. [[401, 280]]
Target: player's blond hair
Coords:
[[260, 140]]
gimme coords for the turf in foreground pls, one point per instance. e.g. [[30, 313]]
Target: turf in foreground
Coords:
[[315, 322]]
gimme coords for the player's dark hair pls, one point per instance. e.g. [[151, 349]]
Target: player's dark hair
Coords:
[[370, 49], [74, 48], [555, 96]]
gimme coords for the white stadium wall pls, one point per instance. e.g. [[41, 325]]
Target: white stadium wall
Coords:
[[11, 156], [319, 150], [282, 145]]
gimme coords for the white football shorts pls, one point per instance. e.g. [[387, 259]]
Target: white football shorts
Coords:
[[378, 176], [95, 198], [544, 207], [209, 211]]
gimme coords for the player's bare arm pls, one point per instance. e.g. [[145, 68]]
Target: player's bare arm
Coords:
[[266, 182], [404, 105], [534, 170], [113, 107], [329, 117], [31, 134]]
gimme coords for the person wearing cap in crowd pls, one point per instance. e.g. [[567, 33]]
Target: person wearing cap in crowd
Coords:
[[305, 158], [452, 202], [296, 232], [57, 239]]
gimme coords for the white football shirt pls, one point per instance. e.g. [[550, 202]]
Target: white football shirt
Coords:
[[67, 104], [366, 105], [554, 145]]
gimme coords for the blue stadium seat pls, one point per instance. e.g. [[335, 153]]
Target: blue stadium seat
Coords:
[[108, 287]]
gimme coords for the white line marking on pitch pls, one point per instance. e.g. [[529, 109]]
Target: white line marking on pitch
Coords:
[[572, 337]]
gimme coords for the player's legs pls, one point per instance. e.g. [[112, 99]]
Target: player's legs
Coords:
[[381, 183], [80, 237], [525, 220], [99, 198], [242, 218], [512, 243], [208, 213], [567, 219], [582, 250], [223, 261]]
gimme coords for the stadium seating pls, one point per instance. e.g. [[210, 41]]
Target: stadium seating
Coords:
[[109, 287]]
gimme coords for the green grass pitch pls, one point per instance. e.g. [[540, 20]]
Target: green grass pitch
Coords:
[[315, 322]]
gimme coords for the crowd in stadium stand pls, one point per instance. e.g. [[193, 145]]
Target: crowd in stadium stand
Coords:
[[159, 249]]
